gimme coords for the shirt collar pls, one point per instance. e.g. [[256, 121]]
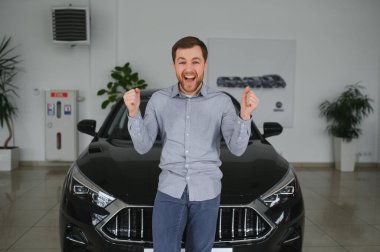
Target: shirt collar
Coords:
[[175, 90]]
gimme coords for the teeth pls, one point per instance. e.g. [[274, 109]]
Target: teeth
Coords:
[[189, 77]]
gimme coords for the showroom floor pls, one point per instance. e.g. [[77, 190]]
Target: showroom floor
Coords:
[[342, 209]]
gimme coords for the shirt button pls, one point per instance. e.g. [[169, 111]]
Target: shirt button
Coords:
[[187, 117], [186, 151], [187, 166], [187, 134], [188, 177]]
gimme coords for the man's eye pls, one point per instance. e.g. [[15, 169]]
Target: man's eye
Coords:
[[181, 63], [195, 62]]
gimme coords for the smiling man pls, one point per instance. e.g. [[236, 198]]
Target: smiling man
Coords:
[[191, 119], [189, 65]]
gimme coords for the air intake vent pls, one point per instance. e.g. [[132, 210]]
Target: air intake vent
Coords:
[[71, 25], [234, 224]]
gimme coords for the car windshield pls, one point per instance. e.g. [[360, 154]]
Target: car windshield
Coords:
[[117, 125]]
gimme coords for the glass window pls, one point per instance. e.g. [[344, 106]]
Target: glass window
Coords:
[[118, 128]]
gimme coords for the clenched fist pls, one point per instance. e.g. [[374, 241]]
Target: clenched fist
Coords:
[[249, 102], [132, 101]]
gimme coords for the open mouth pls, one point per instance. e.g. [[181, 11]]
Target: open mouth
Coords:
[[189, 78]]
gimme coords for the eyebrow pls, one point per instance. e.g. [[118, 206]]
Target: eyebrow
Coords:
[[195, 58]]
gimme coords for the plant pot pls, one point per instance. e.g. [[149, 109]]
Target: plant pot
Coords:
[[9, 158], [345, 154]]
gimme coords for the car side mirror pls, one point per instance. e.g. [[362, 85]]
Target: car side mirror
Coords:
[[272, 129], [87, 126]]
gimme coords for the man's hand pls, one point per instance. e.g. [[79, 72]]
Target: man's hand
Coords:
[[132, 101], [249, 102]]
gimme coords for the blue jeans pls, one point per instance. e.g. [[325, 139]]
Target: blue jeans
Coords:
[[172, 215]]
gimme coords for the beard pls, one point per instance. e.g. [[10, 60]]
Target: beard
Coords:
[[190, 83]]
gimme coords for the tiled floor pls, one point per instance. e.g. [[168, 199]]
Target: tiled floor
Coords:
[[342, 210]]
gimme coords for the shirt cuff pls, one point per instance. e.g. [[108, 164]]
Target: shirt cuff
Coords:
[[246, 123], [134, 123], [245, 127], [250, 118]]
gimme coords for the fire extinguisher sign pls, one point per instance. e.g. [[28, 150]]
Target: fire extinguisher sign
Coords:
[[59, 94], [67, 109]]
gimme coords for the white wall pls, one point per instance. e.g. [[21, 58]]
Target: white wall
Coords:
[[378, 125], [338, 43], [46, 66]]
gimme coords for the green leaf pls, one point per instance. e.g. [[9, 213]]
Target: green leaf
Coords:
[[101, 92], [142, 86], [141, 82], [113, 90], [105, 104], [109, 85], [124, 83], [112, 98], [116, 76], [134, 77]]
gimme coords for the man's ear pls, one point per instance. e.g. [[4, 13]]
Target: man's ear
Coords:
[[206, 64]]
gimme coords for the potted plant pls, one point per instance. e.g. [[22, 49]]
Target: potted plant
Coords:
[[8, 61], [344, 116], [123, 80]]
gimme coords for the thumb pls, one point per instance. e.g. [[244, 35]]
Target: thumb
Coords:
[[137, 90], [246, 90]]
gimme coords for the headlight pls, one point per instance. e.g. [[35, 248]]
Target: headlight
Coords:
[[84, 189], [282, 191]]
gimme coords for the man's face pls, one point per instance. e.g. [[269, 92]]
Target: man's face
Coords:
[[189, 66]]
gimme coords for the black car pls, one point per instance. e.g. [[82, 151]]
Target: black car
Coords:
[[109, 191]]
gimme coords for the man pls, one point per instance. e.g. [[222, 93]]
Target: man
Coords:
[[191, 119]]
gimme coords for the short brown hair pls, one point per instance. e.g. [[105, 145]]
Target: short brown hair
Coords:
[[189, 42]]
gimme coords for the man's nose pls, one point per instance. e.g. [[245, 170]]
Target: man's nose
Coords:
[[189, 67]]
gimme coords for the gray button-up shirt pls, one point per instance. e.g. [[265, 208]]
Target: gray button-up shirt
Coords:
[[191, 129]]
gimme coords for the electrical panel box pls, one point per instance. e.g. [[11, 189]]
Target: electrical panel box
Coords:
[[61, 138]]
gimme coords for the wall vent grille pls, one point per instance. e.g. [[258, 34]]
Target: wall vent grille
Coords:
[[71, 25]]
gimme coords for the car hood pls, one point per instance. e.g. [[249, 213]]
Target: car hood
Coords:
[[123, 173]]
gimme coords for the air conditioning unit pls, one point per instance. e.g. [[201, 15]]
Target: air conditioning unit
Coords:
[[71, 25]]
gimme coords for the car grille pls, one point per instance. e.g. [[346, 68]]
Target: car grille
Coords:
[[240, 223], [234, 224], [132, 224]]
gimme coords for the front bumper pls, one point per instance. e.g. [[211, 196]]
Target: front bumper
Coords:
[[77, 233]]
